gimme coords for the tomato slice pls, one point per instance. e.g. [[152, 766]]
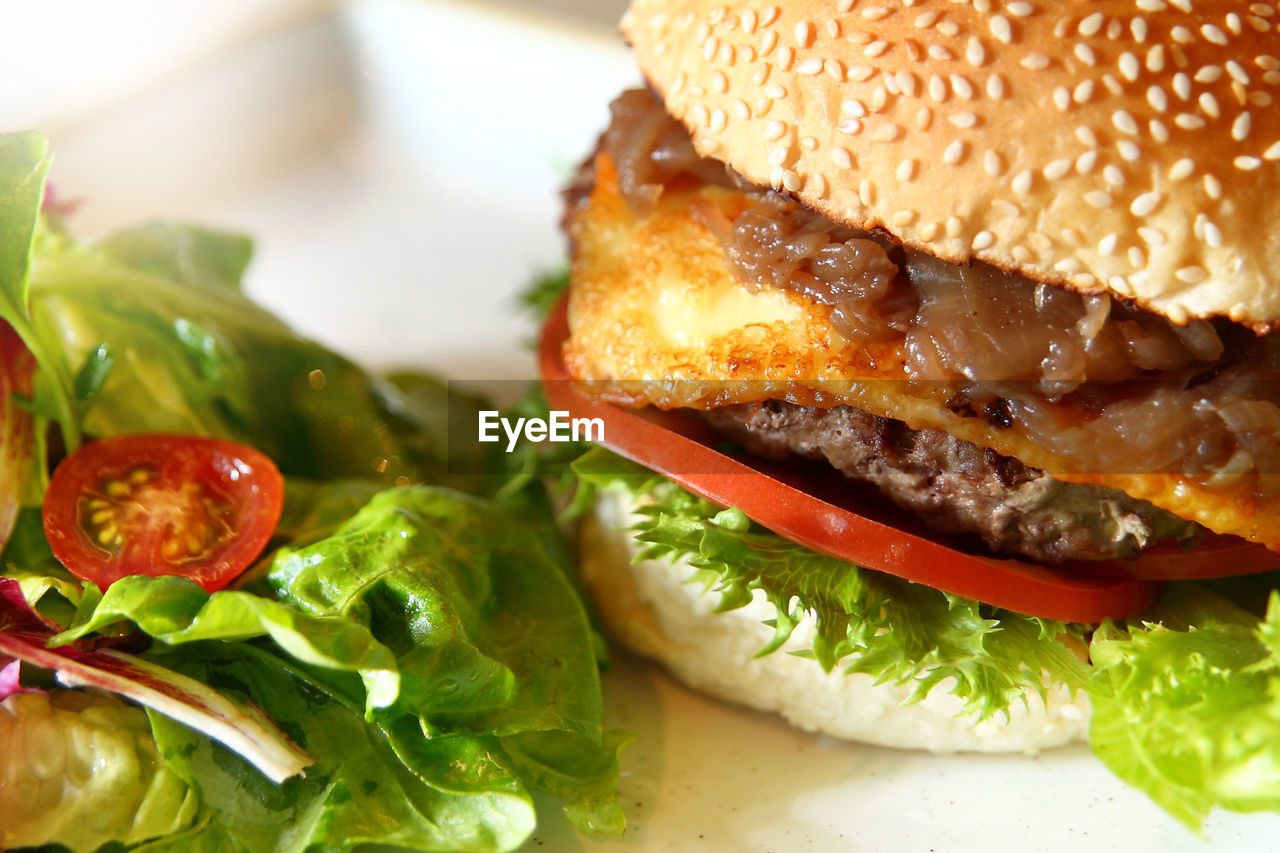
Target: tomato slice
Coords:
[[201, 508], [819, 509]]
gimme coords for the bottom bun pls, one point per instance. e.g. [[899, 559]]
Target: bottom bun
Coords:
[[650, 608]]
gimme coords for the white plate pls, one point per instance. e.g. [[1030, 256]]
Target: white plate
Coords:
[[398, 165]]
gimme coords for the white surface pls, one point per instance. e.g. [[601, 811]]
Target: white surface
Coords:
[[398, 166]]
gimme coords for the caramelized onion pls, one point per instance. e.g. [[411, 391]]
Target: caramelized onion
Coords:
[[1202, 399]]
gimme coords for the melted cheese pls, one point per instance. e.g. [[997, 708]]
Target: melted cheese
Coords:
[[656, 317]]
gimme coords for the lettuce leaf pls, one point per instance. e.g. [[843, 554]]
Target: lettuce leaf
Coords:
[[1186, 705], [865, 621], [82, 770], [454, 793]]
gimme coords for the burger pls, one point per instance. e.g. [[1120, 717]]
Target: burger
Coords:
[[954, 324]]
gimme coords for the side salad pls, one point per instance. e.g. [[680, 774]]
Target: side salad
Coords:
[[406, 660]]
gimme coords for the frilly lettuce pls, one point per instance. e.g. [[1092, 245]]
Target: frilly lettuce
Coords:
[[1186, 699]]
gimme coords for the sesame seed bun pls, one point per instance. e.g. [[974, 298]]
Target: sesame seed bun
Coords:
[[650, 608], [1125, 147]]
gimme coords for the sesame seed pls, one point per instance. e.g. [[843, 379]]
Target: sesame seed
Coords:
[[1213, 34], [810, 67], [845, 5], [786, 56], [1272, 153], [1159, 130], [1085, 54], [992, 164], [1128, 150], [929, 231], [1267, 63], [817, 185], [1137, 259], [937, 88], [749, 21], [1241, 126], [954, 226], [853, 107], [767, 42], [1021, 183], [804, 34], [1086, 136], [1152, 5], [906, 82], [850, 127], [1086, 161], [1208, 74], [963, 119], [1145, 203], [842, 158], [1062, 98], [791, 181], [1260, 24], [886, 133], [948, 28], [1001, 28], [833, 27], [1155, 59], [774, 91], [995, 87], [1057, 168], [1021, 254], [1182, 35], [1091, 24], [1098, 198], [1187, 121], [719, 82], [1138, 26], [876, 48], [1019, 9], [926, 19], [866, 192], [775, 177], [906, 170], [1271, 78], [1114, 175], [1181, 5], [1129, 66], [774, 130], [1182, 85], [937, 51], [983, 240], [975, 52], [1152, 236], [709, 48], [809, 143], [1191, 275], [1083, 92], [1212, 235], [1157, 98], [1213, 187], [983, 7], [875, 13], [1067, 265], [861, 73], [1107, 245], [1237, 72], [924, 118], [1209, 104], [1260, 99], [878, 99], [954, 152], [1247, 164], [903, 218], [1035, 61], [962, 87], [719, 119], [778, 156], [1124, 122], [770, 15], [741, 109]]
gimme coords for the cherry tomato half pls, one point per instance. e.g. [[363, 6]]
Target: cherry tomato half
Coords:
[[818, 510], [201, 508]]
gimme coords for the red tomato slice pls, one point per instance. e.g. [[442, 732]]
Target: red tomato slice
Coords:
[[820, 510], [201, 508]]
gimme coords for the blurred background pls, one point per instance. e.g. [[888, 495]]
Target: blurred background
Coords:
[[397, 161]]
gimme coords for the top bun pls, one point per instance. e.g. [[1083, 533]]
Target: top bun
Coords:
[[1121, 146]]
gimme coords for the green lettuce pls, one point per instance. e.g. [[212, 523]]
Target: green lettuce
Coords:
[[81, 770], [1186, 705], [865, 621]]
